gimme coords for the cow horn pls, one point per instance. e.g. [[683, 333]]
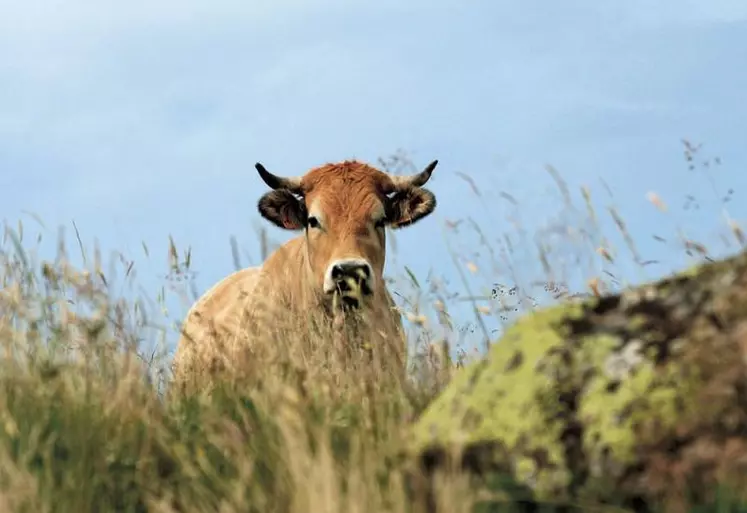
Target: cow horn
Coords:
[[279, 182], [416, 180]]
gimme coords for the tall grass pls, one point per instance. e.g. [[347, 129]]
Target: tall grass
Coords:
[[88, 421]]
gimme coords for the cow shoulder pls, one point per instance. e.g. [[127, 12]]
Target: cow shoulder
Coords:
[[218, 308]]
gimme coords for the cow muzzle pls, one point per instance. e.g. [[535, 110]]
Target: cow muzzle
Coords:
[[351, 279]]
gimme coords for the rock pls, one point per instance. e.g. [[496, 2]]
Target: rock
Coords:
[[637, 399]]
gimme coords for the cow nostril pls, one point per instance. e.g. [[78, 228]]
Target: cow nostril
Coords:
[[361, 271], [358, 271]]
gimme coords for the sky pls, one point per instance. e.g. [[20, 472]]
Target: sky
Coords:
[[139, 120]]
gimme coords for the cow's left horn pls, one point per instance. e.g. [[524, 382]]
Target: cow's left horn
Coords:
[[416, 180], [279, 182]]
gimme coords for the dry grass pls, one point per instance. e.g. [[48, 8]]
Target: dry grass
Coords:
[[87, 422]]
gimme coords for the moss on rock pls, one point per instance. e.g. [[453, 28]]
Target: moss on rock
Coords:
[[634, 398]]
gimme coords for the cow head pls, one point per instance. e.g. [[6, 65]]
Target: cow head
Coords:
[[343, 209]]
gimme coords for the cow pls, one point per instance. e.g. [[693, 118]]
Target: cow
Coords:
[[334, 267]]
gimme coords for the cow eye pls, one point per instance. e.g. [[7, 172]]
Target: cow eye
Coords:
[[313, 222]]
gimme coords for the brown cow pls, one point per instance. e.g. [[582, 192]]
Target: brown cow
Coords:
[[336, 265]]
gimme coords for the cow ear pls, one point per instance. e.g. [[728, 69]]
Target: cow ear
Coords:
[[283, 209], [409, 206]]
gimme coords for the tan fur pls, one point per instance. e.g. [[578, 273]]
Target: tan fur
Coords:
[[348, 196], [348, 200]]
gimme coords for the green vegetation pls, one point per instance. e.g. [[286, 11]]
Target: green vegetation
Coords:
[[88, 423], [628, 398]]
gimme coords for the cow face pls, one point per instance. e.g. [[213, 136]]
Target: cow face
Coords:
[[344, 209]]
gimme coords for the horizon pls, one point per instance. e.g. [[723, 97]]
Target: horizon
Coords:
[[141, 123]]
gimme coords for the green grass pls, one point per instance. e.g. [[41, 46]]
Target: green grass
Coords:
[[87, 422], [84, 426]]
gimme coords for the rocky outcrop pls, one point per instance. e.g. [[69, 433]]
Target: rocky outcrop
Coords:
[[637, 399]]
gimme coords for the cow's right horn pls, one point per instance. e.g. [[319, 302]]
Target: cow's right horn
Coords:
[[278, 182]]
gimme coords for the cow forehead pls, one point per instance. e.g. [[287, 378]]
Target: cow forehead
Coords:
[[348, 187], [348, 173]]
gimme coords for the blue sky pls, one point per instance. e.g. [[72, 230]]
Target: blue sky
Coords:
[[140, 120]]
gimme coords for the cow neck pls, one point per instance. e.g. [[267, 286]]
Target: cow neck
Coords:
[[290, 275]]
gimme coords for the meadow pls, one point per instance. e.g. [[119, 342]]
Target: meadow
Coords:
[[88, 422]]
